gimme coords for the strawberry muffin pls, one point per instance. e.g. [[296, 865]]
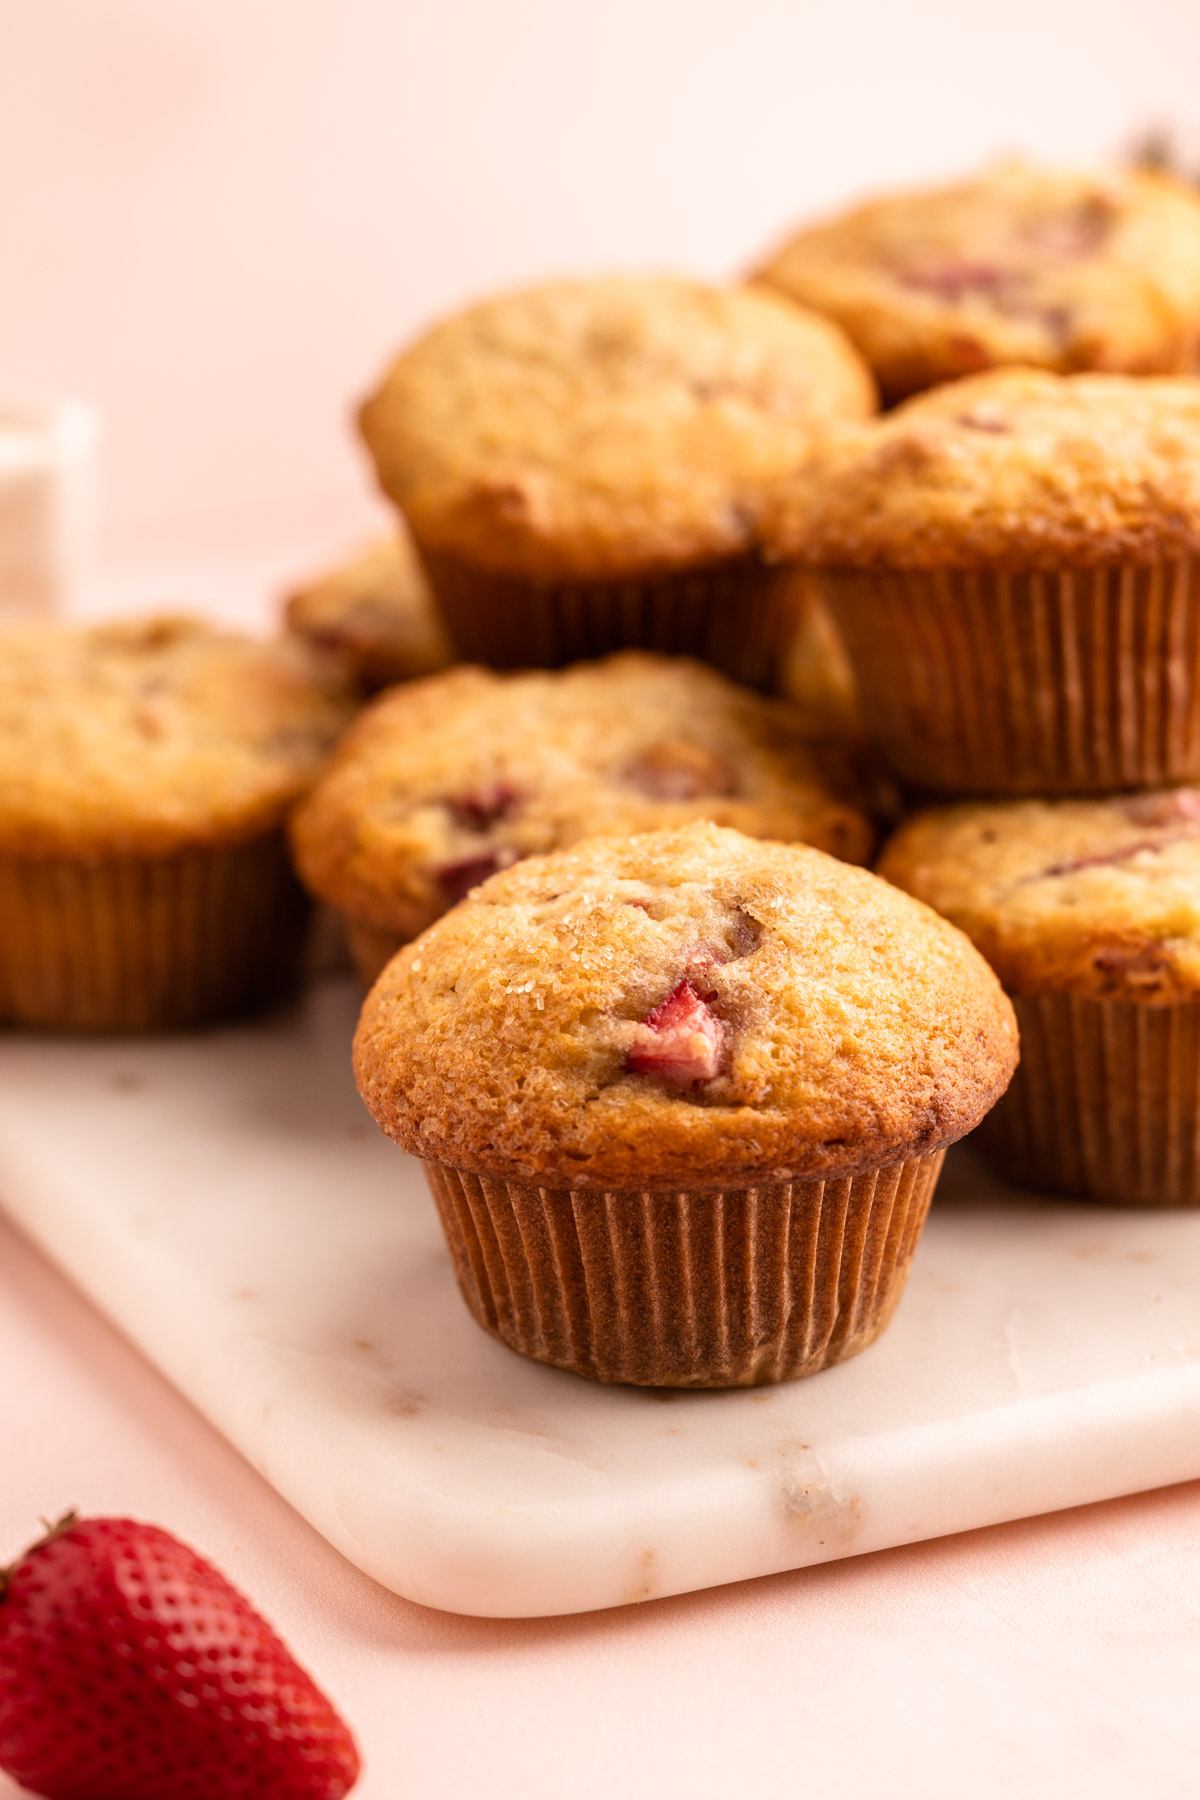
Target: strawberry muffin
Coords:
[[1051, 268], [1014, 565], [374, 616], [584, 466], [683, 1099], [443, 783], [146, 770], [1089, 911]]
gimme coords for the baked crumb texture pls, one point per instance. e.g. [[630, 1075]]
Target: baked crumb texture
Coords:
[[585, 466], [445, 782], [145, 773], [375, 616], [1089, 911], [1055, 269], [643, 1061], [1013, 564]]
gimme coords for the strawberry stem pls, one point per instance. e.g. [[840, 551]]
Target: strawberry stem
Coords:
[[49, 1533]]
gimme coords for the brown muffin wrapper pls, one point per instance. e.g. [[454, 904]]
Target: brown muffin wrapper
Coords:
[[686, 1289], [740, 615], [133, 944], [371, 948], [1105, 1102], [1076, 681]]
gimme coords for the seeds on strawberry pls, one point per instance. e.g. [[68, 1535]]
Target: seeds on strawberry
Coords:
[[131, 1669], [682, 1041]]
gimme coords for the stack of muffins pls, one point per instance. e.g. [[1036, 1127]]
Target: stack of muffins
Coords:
[[681, 1071]]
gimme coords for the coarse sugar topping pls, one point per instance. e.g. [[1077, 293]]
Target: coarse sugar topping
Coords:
[[687, 1006]]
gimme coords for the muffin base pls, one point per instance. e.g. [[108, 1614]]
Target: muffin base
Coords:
[[740, 615], [135, 944], [1105, 1102], [1075, 681], [701, 1288]]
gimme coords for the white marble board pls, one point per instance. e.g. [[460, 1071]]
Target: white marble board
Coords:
[[226, 1200]]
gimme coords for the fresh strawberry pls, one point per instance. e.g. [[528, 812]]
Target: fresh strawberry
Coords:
[[682, 1041], [130, 1669]]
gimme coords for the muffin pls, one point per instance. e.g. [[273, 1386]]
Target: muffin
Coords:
[[145, 773], [682, 1099], [1012, 564], [584, 466], [1052, 268], [1089, 912], [443, 783], [374, 616]]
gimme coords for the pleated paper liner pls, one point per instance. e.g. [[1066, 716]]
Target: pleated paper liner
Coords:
[[1075, 681], [1105, 1102], [371, 949], [706, 1289], [740, 615], [134, 944]]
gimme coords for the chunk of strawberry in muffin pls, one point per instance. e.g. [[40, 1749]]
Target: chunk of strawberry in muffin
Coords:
[[956, 281], [456, 879], [681, 1041], [483, 806], [678, 769]]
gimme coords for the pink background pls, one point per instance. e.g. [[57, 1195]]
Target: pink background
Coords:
[[217, 219], [219, 216]]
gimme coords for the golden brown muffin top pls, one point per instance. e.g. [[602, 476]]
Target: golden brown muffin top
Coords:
[[1056, 268], [442, 783], [1016, 469], [1094, 897], [603, 428], [688, 1007], [375, 616], [149, 736]]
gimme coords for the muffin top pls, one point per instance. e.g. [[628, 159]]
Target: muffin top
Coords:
[[441, 784], [1016, 469], [604, 428], [689, 1006], [1060, 269], [151, 736], [374, 615], [1093, 897]]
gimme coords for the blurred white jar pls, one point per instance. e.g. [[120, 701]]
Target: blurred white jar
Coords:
[[47, 464]]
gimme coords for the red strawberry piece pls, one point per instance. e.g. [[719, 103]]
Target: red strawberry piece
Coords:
[[484, 806], [130, 1669], [1179, 806], [456, 879], [1073, 234], [678, 769], [682, 1041], [955, 281]]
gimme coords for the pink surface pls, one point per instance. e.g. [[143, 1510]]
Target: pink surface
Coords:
[[1053, 1657], [1058, 1656], [219, 218]]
